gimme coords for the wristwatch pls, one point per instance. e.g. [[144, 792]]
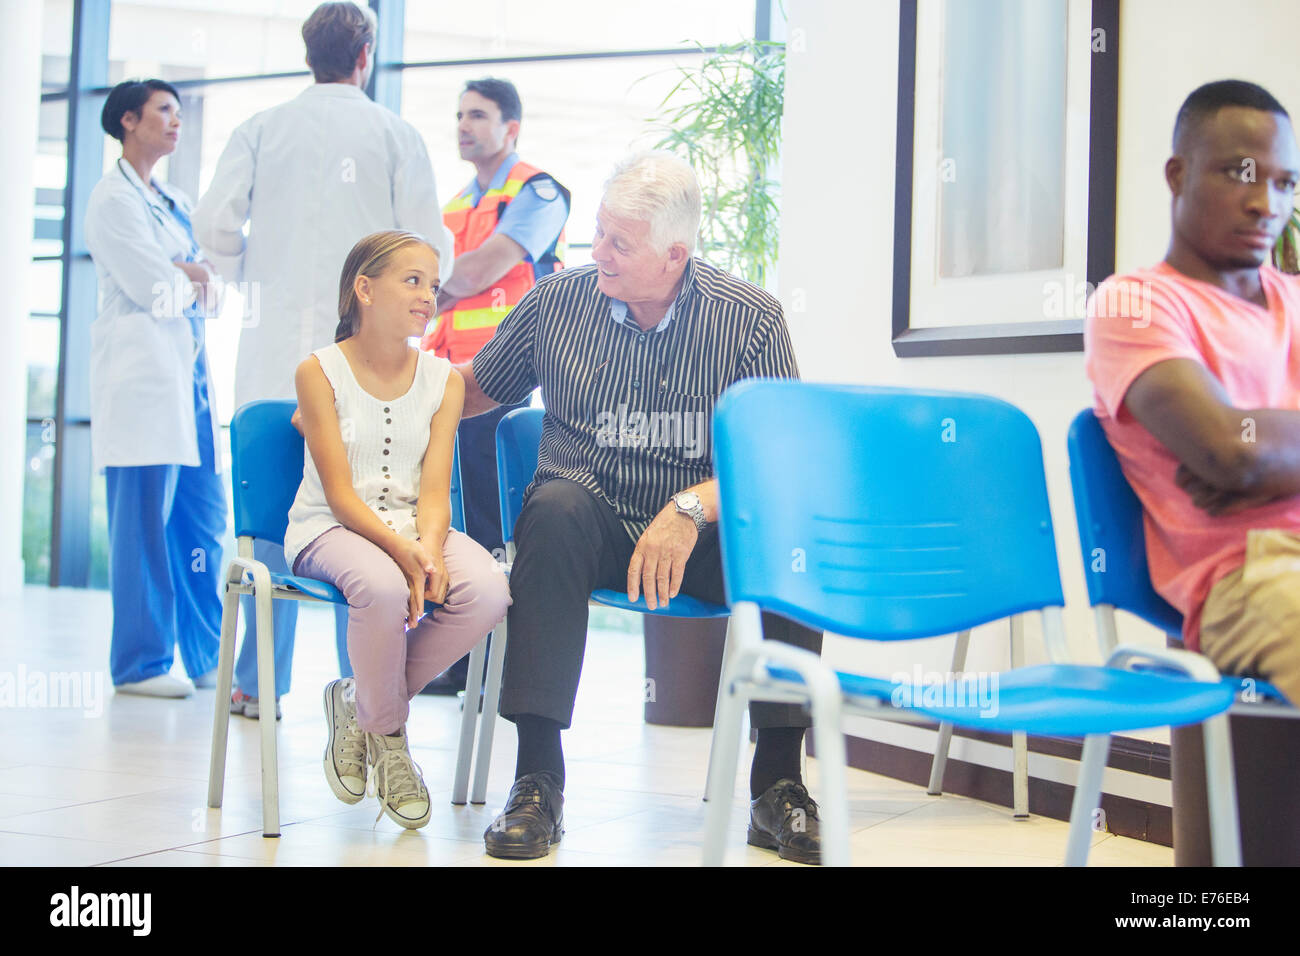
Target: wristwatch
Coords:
[[688, 503]]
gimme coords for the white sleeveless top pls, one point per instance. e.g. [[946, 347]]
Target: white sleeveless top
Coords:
[[385, 442]]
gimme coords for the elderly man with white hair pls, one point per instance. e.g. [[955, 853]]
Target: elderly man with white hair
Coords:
[[631, 354]]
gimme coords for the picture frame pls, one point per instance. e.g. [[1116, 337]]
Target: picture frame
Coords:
[[921, 335]]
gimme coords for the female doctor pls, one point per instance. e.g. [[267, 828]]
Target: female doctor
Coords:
[[153, 428]]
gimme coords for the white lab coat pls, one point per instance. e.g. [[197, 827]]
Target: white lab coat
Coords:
[[142, 349], [311, 176]]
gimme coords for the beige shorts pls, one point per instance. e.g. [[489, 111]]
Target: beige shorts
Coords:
[[1250, 623]]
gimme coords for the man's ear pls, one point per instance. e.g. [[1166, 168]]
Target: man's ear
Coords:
[[363, 58], [512, 132], [1175, 168], [678, 255]]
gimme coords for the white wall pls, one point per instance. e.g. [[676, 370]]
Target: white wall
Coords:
[[837, 235]]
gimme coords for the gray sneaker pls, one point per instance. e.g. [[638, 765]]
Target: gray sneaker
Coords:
[[396, 781], [241, 703], [345, 751]]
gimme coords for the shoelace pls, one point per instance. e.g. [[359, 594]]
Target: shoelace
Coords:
[[401, 779], [796, 796], [352, 749]]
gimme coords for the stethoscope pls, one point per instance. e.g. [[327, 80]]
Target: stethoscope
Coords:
[[168, 222], [172, 226]]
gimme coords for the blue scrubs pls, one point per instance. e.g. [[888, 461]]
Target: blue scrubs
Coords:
[[165, 525]]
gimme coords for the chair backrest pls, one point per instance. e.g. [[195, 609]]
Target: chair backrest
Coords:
[[266, 454], [880, 512], [1110, 529], [518, 436]]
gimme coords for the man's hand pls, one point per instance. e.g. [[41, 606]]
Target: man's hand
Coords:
[[659, 560], [1217, 501]]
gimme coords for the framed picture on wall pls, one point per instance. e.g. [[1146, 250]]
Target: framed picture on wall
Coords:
[[1004, 205]]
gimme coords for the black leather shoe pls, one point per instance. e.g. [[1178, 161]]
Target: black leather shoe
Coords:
[[784, 818], [532, 822]]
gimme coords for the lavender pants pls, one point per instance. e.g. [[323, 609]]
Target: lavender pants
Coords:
[[390, 663]]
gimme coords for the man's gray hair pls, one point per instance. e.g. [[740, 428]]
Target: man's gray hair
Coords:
[[659, 188]]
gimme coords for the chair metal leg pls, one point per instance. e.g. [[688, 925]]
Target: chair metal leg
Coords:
[[717, 708], [721, 785], [221, 715], [468, 722], [488, 724], [1019, 739], [1221, 790], [1087, 798], [266, 697], [940, 761]]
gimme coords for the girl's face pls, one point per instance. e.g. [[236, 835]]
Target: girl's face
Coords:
[[401, 300]]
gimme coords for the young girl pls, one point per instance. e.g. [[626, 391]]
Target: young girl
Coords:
[[372, 516]]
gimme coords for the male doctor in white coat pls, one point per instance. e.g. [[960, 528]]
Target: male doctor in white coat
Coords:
[[311, 177]]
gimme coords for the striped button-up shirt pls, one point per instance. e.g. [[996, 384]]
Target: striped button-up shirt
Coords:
[[629, 414]]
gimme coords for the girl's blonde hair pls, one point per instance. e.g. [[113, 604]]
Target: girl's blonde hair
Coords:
[[369, 257]]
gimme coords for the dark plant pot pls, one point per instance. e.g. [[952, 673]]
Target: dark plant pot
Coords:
[[683, 664], [1266, 751]]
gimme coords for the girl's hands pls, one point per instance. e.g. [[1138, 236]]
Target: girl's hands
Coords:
[[435, 588], [414, 560]]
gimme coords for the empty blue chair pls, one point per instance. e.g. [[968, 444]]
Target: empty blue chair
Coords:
[[915, 514], [519, 436], [1113, 541], [266, 470]]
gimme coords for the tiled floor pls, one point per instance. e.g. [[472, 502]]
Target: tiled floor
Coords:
[[122, 781]]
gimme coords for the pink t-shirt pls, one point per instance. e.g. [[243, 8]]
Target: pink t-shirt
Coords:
[[1150, 316]]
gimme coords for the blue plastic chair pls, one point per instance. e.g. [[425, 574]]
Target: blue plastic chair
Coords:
[[915, 514], [519, 436], [266, 470], [1113, 542]]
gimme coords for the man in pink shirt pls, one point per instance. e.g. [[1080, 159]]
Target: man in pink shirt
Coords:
[[1195, 364]]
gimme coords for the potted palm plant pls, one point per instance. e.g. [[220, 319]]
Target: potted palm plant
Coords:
[[724, 117]]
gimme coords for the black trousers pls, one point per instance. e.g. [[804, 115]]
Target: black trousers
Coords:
[[569, 543]]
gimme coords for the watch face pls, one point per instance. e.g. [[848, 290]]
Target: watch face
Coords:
[[687, 500]]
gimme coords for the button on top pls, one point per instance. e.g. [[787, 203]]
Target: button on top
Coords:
[[387, 409], [641, 339]]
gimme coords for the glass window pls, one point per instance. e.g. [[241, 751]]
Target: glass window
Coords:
[[208, 37], [98, 533], [47, 289], [42, 366], [56, 44], [51, 167], [580, 118], [38, 496], [490, 28]]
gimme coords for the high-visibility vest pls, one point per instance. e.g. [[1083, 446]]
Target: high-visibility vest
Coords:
[[459, 333]]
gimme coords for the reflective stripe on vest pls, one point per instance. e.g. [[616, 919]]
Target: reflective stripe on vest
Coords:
[[462, 331]]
